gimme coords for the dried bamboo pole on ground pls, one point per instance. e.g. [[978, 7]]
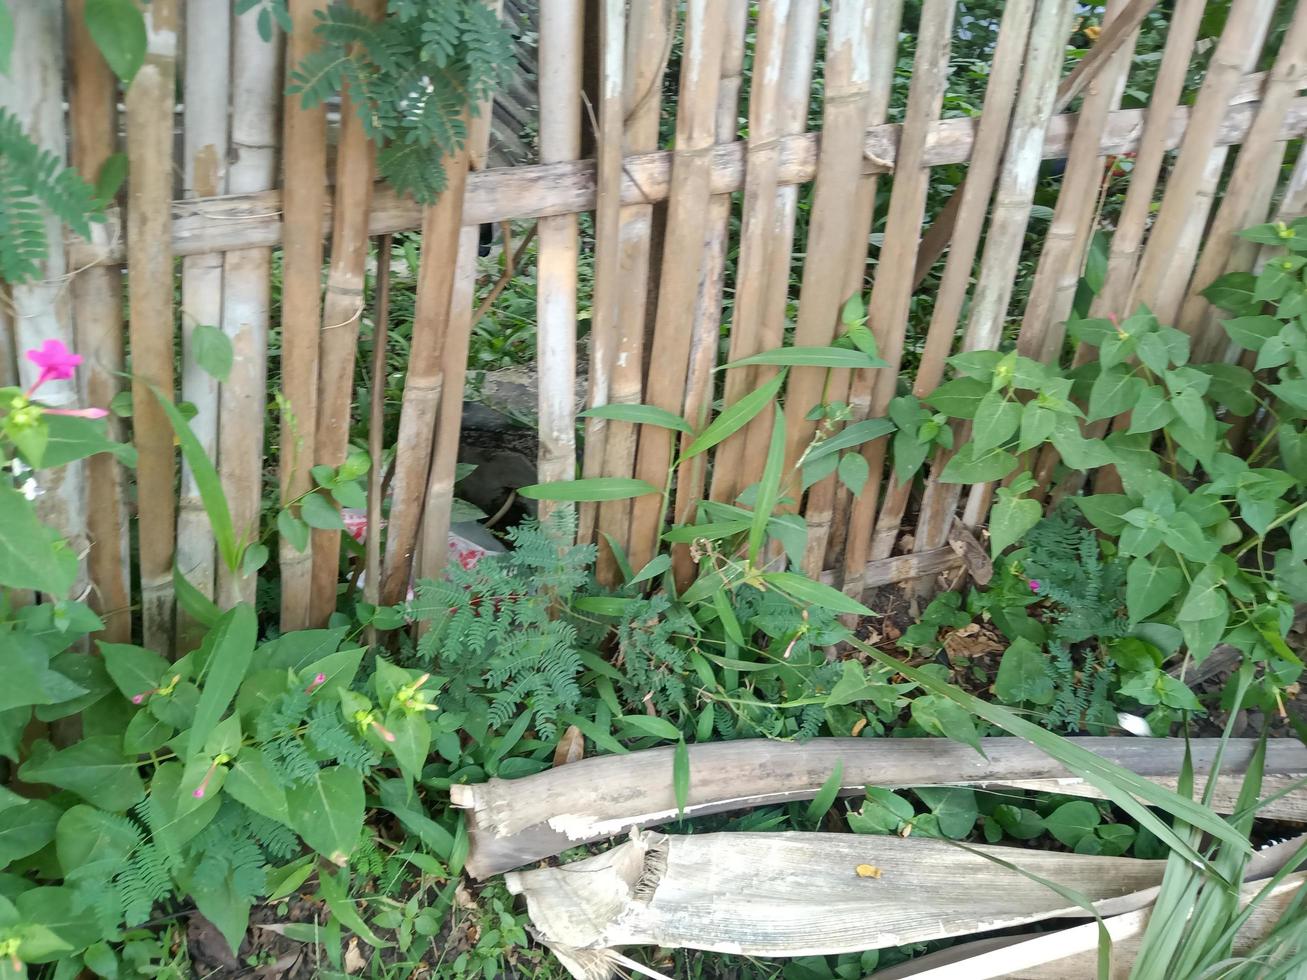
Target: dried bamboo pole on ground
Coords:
[[246, 293], [678, 290], [754, 265], [871, 391], [304, 193], [973, 204], [606, 312], [149, 280], [377, 428], [1043, 327], [424, 378], [98, 328], [342, 311], [444, 462], [706, 333], [650, 27], [1247, 195], [1164, 266], [1012, 199], [560, 140], [204, 174], [821, 505]]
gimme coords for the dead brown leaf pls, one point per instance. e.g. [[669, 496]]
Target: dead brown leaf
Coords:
[[972, 640], [354, 960], [571, 747]]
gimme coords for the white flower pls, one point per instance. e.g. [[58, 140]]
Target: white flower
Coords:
[[30, 490], [1133, 724], [19, 467]]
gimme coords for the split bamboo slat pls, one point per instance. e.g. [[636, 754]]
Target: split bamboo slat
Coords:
[[98, 328], [606, 309], [8, 341], [559, 249], [304, 195], [205, 84], [1013, 197], [150, 287], [683, 251], [649, 30], [247, 293], [1062, 258], [377, 428], [706, 333], [820, 509], [33, 92], [342, 311], [754, 266], [973, 204], [444, 460], [1172, 243], [1253, 178], [891, 293]]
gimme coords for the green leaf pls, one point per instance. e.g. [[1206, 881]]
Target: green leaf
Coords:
[[69, 438], [639, 415], [649, 725], [1114, 391], [1151, 412], [26, 828], [1073, 821], [231, 647], [6, 38], [1019, 822], [317, 511], [969, 465], [295, 531], [1105, 511], [85, 834], [997, 419], [327, 811], [399, 798], [1149, 586], [854, 471], [254, 557], [1023, 675], [940, 716], [334, 892], [769, 487], [134, 669], [812, 593], [681, 776], [825, 357], [825, 798], [960, 398], [657, 565], [735, 417], [855, 434], [1078, 452], [1233, 291], [1206, 596], [597, 488], [32, 556], [110, 177], [211, 350], [118, 29], [194, 603], [252, 781], [94, 768], [1251, 332], [954, 807], [1010, 519]]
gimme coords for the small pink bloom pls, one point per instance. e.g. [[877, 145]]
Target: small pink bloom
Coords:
[[57, 362], [385, 734], [316, 683], [137, 698], [199, 792], [1034, 585], [78, 413]]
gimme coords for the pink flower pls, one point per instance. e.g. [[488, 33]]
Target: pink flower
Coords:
[[57, 363], [77, 413], [1034, 585], [316, 683], [385, 733]]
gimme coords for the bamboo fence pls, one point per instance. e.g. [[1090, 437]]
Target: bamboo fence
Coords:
[[785, 174]]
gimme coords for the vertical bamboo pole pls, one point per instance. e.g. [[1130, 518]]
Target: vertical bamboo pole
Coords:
[[246, 293], [442, 223], [560, 140], [973, 204], [892, 290], [204, 174], [707, 331], [377, 428], [1246, 199], [650, 27], [687, 222], [757, 239], [1012, 200], [1043, 328], [150, 283], [304, 198], [606, 309], [342, 310], [98, 324], [1165, 264], [444, 463], [820, 510]]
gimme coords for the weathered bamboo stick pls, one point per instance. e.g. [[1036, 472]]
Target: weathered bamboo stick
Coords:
[[821, 509], [871, 391], [424, 379], [206, 78], [687, 221], [515, 822], [973, 204], [150, 283], [1246, 195], [606, 311], [560, 140], [1164, 266], [98, 326], [525, 192], [650, 27], [8, 341], [706, 333], [342, 311], [757, 240], [444, 462], [247, 293], [377, 428]]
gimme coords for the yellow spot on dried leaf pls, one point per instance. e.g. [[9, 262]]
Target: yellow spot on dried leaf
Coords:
[[867, 871]]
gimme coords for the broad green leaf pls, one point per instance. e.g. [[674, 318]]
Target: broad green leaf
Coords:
[[940, 716], [1105, 511], [812, 593], [824, 357], [293, 530], [1078, 452], [94, 768], [230, 647], [317, 511], [194, 603], [1149, 586], [211, 350], [854, 434], [1206, 596], [639, 415], [735, 417], [68, 438], [657, 565], [1232, 292], [251, 781], [854, 472], [26, 828], [649, 725], [1023, 675], [400, 800], [769, 487], [1151, 412], [954, 807], [1114, 391], [1010, 519], [1072, 821], [1019, 822], [32, 555], [996, 421], [85, 835], [1036, 425], [335, 892], [969, 465], [960, 398], [681, 776], [825, 798], [1250, 332], [597, 488], [109, 180], [118, 29], [327, 811], [296, 650]]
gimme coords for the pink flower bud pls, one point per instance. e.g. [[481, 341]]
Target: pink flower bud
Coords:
[[316, 683], [385, 734], [199, 791], [137, 698], [1034, 585]]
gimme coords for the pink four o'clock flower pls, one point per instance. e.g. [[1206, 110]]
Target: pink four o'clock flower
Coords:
[[1034, 585], [57, 363]]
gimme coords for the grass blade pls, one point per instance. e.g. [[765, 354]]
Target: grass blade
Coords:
[[735, 417]]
